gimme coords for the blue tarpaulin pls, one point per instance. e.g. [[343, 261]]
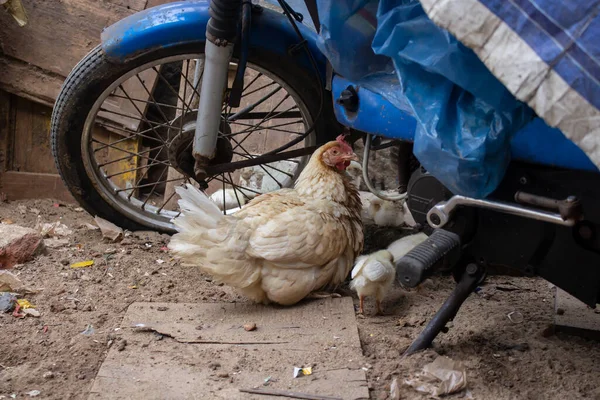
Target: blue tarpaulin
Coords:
[[433, 59]]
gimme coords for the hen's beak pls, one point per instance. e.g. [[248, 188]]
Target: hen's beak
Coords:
[[349, 157]]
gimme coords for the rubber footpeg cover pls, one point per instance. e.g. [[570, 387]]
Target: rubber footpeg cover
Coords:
[[422, 261]]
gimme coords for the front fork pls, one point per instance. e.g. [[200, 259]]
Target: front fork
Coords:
[[221, 32]]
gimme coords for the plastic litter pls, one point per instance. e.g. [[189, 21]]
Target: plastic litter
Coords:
[[109, 230], [7, 302], [54, 229], [9, 282], [441, 377], [298, 372], [515, 317], [32, 312], [88, 331], [33, 393], [394, 390], [83, 264]]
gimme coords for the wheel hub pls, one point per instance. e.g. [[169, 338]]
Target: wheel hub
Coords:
[[181, 145]]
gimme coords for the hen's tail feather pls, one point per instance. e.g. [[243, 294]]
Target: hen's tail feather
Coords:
[[197, 210]]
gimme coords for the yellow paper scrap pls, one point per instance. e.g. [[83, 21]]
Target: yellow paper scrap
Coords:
[[83, 264], [25, 304]]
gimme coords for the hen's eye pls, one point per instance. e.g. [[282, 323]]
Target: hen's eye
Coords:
[[335, 152]]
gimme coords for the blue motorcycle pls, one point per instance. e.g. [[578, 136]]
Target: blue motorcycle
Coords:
[[234, 96]]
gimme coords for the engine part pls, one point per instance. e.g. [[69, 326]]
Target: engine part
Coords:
[[424, 192], [442, 212], [349, 99], [567, 208], [367, 180]]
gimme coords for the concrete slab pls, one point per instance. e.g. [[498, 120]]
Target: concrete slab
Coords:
[[574, 317], [202, 351]]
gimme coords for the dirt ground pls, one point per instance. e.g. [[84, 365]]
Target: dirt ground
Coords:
[[504, 359]]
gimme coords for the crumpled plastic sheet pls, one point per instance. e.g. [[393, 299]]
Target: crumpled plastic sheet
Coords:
[[466, 117], [441, 377]]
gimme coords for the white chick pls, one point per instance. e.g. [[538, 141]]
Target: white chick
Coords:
[[373, 275], [383, 212], [354, 171], [405, 244], [231, 200]]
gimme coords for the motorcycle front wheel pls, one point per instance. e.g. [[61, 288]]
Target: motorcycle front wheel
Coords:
[[119, 129]]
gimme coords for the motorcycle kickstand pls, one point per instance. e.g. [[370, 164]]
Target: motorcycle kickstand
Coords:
[[469, 280]]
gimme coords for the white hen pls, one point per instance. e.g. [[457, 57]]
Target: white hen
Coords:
[[374, 274]]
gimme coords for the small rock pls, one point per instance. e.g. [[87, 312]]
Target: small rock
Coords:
[[87, 307], [121, 345], [57, 307], [64, 261], [81, 376], [560, 311], [549, 331], [223, 375], [48, 375], [250, 327], [162, 308], [18, 245], [214, 365]]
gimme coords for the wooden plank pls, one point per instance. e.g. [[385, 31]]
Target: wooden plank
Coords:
[[29, 185], [5, 129], [31, 144], [59, 33], [28, 81], [322, 334]]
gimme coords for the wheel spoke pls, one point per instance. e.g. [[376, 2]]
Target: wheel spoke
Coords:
[[127, 151], [263, 120], [267, 128], [147, 185], [142, 114], [266, 165], [259, 89], [126, 157], [136, 166], [153, 187], [152, 98], [234, 190], [162, 78], [163, 105], [251, 107], [252, 81]]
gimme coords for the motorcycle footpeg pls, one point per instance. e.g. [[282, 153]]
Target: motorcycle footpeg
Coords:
[[422, 261]]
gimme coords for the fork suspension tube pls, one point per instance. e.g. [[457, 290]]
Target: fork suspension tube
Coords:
[[221, 32]]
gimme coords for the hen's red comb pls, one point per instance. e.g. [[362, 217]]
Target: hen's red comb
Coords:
[[341, 139]]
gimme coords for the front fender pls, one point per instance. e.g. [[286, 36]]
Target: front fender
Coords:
[[185, 22]]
